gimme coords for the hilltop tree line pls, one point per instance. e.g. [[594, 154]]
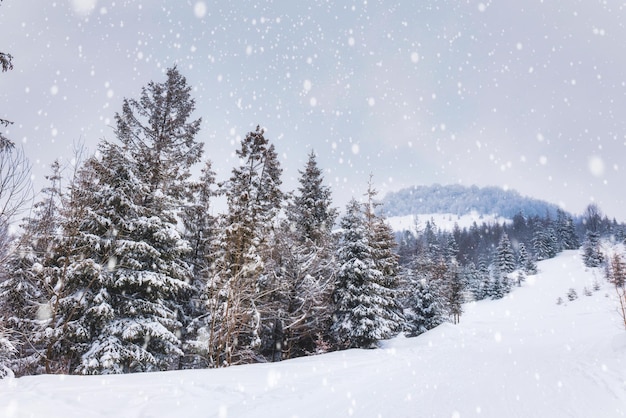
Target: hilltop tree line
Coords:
[[458, 200], [125, 268]]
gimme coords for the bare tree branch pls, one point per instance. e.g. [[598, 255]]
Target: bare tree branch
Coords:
[[16, 191]]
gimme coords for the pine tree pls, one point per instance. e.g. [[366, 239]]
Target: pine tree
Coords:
[[134, 311], [200, 230], [566, 232], [33, 287], [431, 243], [451, 248], [617, 276], [363, 310], [497, 289], [474, 281], [455, 293], [505, 259], [239, 280], [142, 184], [525, 261], [425, 310], [592, 253], [198, 222], [544, 243], [311, 213], [616, 273], [159, 136], [303, 257], [383, 244]]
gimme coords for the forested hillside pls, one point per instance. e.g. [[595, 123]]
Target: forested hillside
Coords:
[[459, 200]]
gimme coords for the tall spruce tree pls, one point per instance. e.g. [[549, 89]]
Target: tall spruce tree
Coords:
[[454, 292], [310, 212], [424, 309], [159, 135], [47, 286], [141, 186], [30, 277], [544, 242], [200, 230], [134, 314], [504, 257], [592, 252], [382, 241], [365, 311], [474, 281], [236, 288], [304, 259], [525, 260], [566, 231]]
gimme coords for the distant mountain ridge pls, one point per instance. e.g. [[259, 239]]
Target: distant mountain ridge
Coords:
[[460, 200]]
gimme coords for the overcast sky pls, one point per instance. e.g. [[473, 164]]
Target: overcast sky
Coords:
[[529, 95]]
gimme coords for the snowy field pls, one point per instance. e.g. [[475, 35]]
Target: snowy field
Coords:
[[523, 356]]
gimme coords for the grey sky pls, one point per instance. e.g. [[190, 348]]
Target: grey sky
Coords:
[[528, 94]]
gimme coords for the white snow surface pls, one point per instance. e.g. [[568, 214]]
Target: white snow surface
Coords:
[[444, 221], [522, 356]]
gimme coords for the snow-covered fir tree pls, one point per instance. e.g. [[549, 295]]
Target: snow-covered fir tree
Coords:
[[544, 242], [200, 230], [364, 307], [525, 261], [474, 281], [592, 253], [455, 291], [425, 284], [134, 311], [424, 307], [303, 257], [34, 295], [141, 185], [239, 281], [452, 248], [430, 241], [566, 231], [310, 212], [382, 242], [498, 286], [504, 257]]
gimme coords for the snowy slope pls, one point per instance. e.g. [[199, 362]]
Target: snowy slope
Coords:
[[443, 221], [523, 356]]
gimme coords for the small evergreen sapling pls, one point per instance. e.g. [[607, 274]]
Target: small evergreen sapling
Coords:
[[572, 294]]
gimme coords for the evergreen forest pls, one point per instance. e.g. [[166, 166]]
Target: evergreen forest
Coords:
[[122, 266]]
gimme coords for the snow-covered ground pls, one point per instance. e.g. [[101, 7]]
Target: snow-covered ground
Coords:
[[523, 356], [443, 221]]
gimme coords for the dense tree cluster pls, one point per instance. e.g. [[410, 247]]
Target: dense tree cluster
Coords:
[[127, 269], [457, 199]]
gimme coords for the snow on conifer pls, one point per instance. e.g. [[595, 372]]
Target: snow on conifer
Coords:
[[365, 311], [140, 187], [254, 199]]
